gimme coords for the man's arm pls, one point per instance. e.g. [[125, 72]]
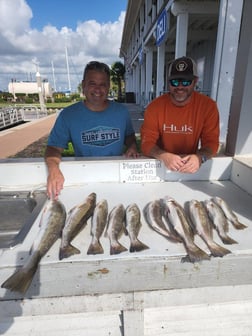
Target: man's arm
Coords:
[[55, 179]]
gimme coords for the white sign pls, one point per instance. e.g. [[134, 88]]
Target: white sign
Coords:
[[141, 171]]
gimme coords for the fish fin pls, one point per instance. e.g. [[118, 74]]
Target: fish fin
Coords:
[[138, 246], [196, 254], [117, 248], [217, 250], [21, 280], [68, 251], [228, 240], [174, 237], [95, 248], [239, 226]]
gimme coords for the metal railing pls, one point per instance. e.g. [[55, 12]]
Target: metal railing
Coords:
[[12, 115]]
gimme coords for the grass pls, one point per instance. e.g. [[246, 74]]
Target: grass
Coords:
[[70, 150], [48, 105]]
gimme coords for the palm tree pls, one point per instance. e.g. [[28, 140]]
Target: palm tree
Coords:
[[117, 76]]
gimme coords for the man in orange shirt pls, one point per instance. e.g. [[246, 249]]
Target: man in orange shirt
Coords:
[[181, 128]]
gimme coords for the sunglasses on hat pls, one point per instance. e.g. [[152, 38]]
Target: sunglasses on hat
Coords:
[[183, 82]]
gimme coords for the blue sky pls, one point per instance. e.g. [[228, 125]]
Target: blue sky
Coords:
[[35, 34], [62, 13]]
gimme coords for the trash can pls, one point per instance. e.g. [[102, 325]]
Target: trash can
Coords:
[[130, 97]]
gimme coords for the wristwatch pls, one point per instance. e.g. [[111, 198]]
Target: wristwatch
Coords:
[[204, 158]]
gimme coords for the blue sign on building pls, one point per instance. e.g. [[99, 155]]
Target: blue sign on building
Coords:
[[161, 28]]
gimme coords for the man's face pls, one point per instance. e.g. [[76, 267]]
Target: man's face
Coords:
[[95, 87], [181, 90]]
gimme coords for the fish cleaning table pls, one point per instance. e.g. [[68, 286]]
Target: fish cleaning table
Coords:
[[140, 293]]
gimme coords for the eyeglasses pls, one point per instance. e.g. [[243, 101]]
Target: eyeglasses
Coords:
[[183, 82]]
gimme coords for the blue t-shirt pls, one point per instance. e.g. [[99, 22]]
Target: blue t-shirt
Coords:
[[92, 133]]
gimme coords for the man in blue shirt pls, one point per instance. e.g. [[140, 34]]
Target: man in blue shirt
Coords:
[[96, 127]]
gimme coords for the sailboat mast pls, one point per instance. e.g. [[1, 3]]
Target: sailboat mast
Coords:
[[68, 74], [54, 82]]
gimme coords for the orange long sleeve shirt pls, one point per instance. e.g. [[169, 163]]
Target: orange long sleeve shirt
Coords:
[[181, 130]]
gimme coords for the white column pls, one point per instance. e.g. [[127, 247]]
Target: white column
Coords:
[[148, 70], [142, 82], [181, 35], [225, 58], [137, 87], [40, 92], [239, 136], [160, 69]]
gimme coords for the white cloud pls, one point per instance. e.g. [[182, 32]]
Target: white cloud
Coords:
[[20, 45]]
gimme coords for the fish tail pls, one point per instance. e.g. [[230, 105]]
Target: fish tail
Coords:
[[228, 240], [217, 250], [68, 251], [95, 248], [21, 280], [174, 238], [195, 254], [239, 226], [117, 248], [137, 246]]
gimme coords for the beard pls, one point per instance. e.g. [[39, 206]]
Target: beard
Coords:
[[181, 96]]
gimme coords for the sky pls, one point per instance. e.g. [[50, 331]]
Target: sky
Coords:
[[57, 38]]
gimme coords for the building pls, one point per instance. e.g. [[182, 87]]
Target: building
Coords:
[[215, 33], [30, 87]]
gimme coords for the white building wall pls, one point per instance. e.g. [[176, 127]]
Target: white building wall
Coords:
[[30, 88]]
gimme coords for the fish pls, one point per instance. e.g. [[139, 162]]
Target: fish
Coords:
[[75, 223], [202, 225], [133, 225], [115, 228], [153, 213], [180, 222], [230, 215], [51, 224], [219, 221], [98, 224]]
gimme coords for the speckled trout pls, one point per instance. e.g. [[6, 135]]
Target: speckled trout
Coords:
[[115, 228], [76, 221], [98, 224], [204, 228], [219, 221], [153, 213], [230, 215], [51, 224], [133, 225], [178, 219]]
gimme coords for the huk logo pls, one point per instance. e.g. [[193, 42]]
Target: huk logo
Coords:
[[184, 129]]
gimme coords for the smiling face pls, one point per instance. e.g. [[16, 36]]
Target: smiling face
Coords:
[[95, 87], [181, 95]]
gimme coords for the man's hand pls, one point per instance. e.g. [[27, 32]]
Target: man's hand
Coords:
[[55, 182], [172, 161], [55, 179], [182, 164], [132, 152], [191, 165]]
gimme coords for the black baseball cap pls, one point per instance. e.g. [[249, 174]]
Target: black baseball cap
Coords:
[[182, 68]]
